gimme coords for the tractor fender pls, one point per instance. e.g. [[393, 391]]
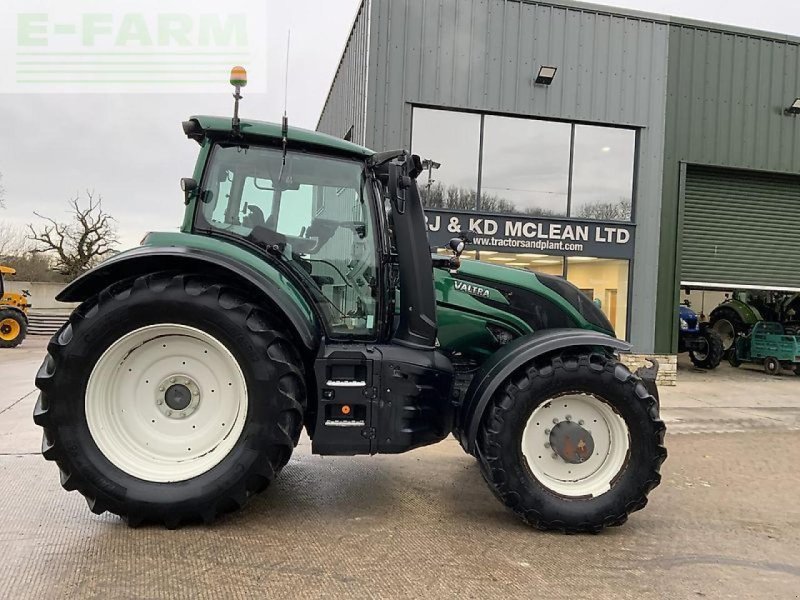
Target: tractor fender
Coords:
[[151, 259], [511, 357], [748, 314]]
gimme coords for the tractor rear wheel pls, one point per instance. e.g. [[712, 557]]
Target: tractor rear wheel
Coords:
[[170, 399], [13, 328], [728, 325], [572, 443], [711, 356]]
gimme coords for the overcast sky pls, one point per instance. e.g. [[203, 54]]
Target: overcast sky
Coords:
[[130, 147]]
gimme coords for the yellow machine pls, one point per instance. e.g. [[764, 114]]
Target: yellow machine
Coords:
[[13, 313]]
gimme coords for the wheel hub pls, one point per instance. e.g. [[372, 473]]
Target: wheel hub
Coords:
[[177, 397], [573, 443]]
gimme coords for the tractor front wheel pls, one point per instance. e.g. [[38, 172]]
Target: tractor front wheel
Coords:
[[170, 398], [13, 328], [572, 443]]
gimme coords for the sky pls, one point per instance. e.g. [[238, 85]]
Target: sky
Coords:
[[130, 149]]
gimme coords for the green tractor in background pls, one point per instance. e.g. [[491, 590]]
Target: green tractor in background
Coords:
[[301, 292], [737, 315]]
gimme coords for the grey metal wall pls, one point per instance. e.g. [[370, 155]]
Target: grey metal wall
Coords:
[[485, 54], [346, 102], [726, 95]]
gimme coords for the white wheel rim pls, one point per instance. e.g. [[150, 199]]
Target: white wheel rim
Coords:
[[726, 331], [138, 431], [609, 433]]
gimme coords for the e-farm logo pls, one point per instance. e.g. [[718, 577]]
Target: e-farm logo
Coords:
[[142, 46]]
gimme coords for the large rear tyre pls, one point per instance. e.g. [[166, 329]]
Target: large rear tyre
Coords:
[[13, 328], [170, 399], [711, 355], [572, 443], [728, 325]]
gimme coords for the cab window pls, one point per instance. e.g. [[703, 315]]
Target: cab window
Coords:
[[313, 211]]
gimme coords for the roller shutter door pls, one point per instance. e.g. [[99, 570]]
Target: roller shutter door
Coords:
[[740, 229]]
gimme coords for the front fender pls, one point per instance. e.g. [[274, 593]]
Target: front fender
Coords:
[[511, 357], [151, 259]]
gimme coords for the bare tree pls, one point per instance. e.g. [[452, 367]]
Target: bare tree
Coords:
[[13, 240], [2, 193], [80, 244], [607, 211]]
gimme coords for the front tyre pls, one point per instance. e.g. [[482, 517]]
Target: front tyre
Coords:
[[170, 398], [572, 443], [13, 328]]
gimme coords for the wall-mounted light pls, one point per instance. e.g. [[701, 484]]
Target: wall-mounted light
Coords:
[[794, 109], [546, 75]]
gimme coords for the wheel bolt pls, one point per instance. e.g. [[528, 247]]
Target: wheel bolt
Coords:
[[161, 389], [580, 422], [547, 432], [555, 455], [555, 420], [568, 418], [172, 380], [183, 414], [159, 402], [547, 444], [169, 413]]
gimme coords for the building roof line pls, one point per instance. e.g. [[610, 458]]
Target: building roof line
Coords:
[[614, 11], [341, 60]]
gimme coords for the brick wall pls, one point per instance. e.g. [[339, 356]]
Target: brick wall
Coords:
[[667, 365]]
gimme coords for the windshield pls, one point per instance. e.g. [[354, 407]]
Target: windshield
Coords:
[[313, 211]]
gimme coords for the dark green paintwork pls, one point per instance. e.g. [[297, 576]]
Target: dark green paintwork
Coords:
[[746, 312], [237, 253], [272, 131], [462, 317]]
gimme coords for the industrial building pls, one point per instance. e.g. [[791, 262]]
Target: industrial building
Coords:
[[634, 154]]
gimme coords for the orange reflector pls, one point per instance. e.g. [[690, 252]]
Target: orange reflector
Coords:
[[345, 410], [239, 76]]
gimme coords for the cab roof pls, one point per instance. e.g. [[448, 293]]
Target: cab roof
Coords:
[[266, 130], [7, 270]]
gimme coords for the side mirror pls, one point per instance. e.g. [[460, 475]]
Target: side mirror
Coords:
[[398, 183], [189, 187]]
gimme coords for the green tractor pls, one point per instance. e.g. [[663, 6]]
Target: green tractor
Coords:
[[737, 315], [301, 292]]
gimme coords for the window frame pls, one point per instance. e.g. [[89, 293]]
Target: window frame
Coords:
[[383, 320], [481, 155]]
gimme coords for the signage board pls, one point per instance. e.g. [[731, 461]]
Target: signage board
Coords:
[[532, 234]]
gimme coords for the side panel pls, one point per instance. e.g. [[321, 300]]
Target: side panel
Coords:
[[510, 358], [383, 399]]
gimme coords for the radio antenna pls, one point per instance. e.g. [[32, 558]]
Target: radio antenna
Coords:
[[285, 123]]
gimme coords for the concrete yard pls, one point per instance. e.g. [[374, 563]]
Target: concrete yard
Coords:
[[725, 522]]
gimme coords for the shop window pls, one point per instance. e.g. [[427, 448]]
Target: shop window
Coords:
[[541, 263], [525, 166], [450, 141], [602, 176], [607, 280]]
